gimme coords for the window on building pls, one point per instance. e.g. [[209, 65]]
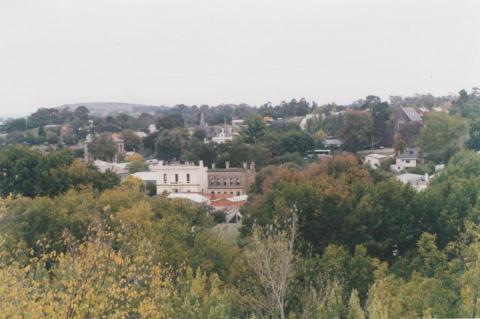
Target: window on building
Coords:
[[164, 178], [238, 193], [237, 180], [224, 182], [188, 178], [176, 178], [407, 161], [212, 181], [218, 181], [232, 182]]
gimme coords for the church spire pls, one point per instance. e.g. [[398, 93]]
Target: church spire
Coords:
[[202, 120]]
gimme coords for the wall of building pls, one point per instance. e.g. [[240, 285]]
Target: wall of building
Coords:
[[402, 163], [231, 181], [180, 178]]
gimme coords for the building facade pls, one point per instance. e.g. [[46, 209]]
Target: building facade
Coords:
[[404, 117], [119, 143], [231, 181], [408, 159], [225, 135], [180, 177]]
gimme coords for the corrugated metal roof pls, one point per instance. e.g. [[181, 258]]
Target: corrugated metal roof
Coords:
[[412, 114], [197, 198]]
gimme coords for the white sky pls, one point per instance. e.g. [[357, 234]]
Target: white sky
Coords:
[[157, 52]]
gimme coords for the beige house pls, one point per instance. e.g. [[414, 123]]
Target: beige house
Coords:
[[179, 177], [408, 159], [231, 181], [119, 142]]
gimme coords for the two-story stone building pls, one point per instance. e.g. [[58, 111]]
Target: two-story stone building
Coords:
[[232, 181]]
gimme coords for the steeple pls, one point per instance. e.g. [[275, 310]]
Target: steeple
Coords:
[[202, 120]]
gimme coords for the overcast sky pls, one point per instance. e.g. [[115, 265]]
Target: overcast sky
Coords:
[[158, 52]]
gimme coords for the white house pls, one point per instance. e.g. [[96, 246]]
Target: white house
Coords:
[[177, 177], [332, 143], [152, 128], [237, 122], [375, 160], [408, 159], [226, 134]]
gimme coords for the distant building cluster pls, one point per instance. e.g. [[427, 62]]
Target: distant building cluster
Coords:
[[223, 188], [187, 177]]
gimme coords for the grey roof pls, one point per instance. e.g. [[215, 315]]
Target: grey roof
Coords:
[[146, 176], [412, 114], [409, 153], [332, 141]]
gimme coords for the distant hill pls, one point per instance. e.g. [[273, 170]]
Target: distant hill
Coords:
[[109, 108]]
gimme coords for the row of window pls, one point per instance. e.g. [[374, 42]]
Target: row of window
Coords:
[[165, 179], [214, 181], [231, 193], [223, 181]]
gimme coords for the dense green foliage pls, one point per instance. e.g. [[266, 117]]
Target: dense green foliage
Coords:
[[30, 173], [442, 135], [362, 248]]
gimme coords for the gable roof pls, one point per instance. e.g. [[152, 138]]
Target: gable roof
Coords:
[[118, 168], [117, 139], [409, 153], [412, 114]]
